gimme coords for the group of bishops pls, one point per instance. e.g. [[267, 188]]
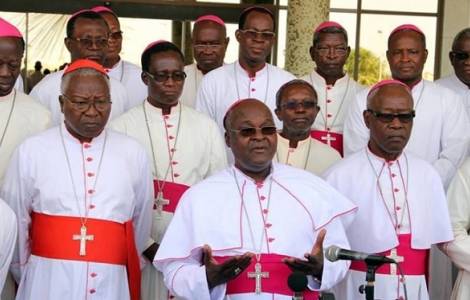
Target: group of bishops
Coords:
[[221, 180]]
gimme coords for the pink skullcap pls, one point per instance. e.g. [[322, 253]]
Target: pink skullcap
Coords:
[[101, 9], [153, 44], [328, 24], [81, 11], [384, 83], [8, 30], [212, 18], [85, 64], [407, 27]]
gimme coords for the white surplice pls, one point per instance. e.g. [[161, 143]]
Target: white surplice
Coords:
[[459, 250], [47, 92], [221, 87], [310, 155], [211, 213], [8, 233], [199, 152], [334, 100], [441, 128], [453, 83], [191, 85], [38, 180], [373, 184], [129, 75]]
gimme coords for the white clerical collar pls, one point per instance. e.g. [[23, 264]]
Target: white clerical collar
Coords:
[[379, 161], [242, 176], [117, 65], [157, 110], [243, 72], [340, 81], [284, 141], [70, 138], [459, 83], [9, 96]]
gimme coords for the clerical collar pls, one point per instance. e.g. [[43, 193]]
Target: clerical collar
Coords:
[[69, 137], [286, 141], [315, 75], [116, 65], [258, 73], [248, 178], [381, 159], [160, 110], [7, 97]]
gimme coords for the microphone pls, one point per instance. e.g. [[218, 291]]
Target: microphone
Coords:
[[297, 282], [334, 253]]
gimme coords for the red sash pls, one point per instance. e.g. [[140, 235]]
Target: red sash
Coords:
[[337, 144], [113, 243], [276, 283], [171, 191], [415, 261]]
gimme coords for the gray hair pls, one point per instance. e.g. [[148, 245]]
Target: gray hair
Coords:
[[81, 72]]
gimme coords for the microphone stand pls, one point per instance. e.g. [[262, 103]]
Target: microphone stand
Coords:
[[368, 288]]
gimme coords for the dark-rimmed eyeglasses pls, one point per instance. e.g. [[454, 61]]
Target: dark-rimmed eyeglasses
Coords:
[[460, 55], [388, 117], [162, 77], [117, 35], [251, 131], [253, 34], [88, 42], [100, 105], [293, 105]]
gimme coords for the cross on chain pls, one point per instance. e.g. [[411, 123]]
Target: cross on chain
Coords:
[[258, 275], [160, 202], [83, 238], [398, 259], [328, 138]]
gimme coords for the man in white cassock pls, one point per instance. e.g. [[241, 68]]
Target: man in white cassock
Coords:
[[402, 209], [459, 249], [184, 146], [240, 233], [296, 107], [250, 76], [121, 70], [335, 89], [83, 196], [8, 233], [459, 82], [209, 43], [20, 115], [87, 37]]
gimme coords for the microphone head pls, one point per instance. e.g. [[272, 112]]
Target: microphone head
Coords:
[[332, 252], [297, 282]]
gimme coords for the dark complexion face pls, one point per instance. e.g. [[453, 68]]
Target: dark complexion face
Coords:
[[461, 66], [209, 45], [11, 54], [115, 38]]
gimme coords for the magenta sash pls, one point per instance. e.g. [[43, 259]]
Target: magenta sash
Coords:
[[171, 191]]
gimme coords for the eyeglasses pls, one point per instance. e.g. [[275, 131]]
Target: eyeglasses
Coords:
[[460, 55], [323, 50], [83, 106], [210, 46], [251, 131], [293, 105], [162, 77], [388, 118], [253, 34], [88, 42], [117, 35]]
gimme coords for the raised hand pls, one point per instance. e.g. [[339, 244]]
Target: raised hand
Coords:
[[221, 273]]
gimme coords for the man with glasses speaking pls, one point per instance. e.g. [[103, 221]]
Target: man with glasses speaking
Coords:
[[87, 38], [183, 145], [250, 76]]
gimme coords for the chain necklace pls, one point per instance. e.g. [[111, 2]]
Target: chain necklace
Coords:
[[9, 118], [307, 156], [323, 116], [267, 82], [395, 223], [170, 153]]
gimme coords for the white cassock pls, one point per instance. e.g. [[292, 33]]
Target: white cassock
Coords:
[[453, 83], [402, 207], [441, 128], [282, 218], [221, 87], [129, 75], [19, 86], [310, 155], [191, 85], [111, 185], [199, 152], [47, 92], [334, 101], [458, 250], [8, 233]]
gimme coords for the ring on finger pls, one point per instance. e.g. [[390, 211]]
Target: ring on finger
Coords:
[[237, 271]]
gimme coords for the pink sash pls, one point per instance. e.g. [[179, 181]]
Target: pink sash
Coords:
[[337, 143], [171, 191]]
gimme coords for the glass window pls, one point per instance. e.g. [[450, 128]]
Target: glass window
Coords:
[[344, 4], [281, 38], [428, 6]]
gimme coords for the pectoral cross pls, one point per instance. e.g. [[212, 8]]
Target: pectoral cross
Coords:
[[160, 202], [258, 275], [394, 255], [83, 238], [328, 138]]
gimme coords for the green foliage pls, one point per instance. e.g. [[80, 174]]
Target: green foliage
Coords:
[[370, 70]]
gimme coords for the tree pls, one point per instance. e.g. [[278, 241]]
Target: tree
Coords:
[[371, 68]]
